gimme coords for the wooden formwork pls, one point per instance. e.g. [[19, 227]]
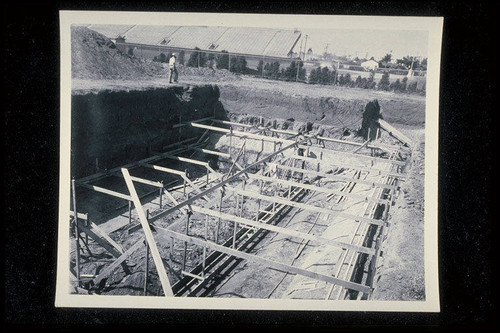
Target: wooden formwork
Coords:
[[217, 183]]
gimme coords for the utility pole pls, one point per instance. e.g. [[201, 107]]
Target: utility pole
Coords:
[[305, 48]]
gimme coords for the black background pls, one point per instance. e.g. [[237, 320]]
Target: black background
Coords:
[[468, 176]]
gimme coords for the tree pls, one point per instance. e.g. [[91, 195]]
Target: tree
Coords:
[[387, 58], [384, 83], [238, 64], [395, 86], [341, 80], [260, 66], [412, 87], [197, 59], [222, 60], [182, 54], [403, 84], [347, 80]]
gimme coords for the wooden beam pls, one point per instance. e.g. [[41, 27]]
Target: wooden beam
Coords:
[[111, 247], [165, 283], [346, 165], [208, 151], [196, 121], [222, 183], [105, 191], [163, 169], [147, 181], [395, 133], [266, 262], [186, 160], [110, 268], [242, 134], [82, 216], [317, 188], [304, 206], [333, 177], [283, 231], [135, 164]]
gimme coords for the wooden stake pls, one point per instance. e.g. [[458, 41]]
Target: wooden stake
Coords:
[[146, 271], [129, 212]]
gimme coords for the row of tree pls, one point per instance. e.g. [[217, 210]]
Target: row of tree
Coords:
[[294, 72], [384, 83]]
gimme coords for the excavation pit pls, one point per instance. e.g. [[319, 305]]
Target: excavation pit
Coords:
[[238, 205]]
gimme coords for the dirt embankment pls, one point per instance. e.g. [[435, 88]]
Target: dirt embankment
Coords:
[[334, 106], [120, 127], [400, 271]]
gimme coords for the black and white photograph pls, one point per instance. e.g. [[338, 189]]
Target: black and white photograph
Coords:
[[248, 161]]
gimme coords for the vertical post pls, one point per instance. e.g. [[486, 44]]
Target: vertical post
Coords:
[[378, 133], [129, 211], [220, 210], [243, 197], [262, 70], [258, 202], [203, 263], [86, 235], [368, 136], [146, 271], [96, 164], [231, 140], [229, 62], [185, 243], [77, 234], [184, 187], [207, 177]]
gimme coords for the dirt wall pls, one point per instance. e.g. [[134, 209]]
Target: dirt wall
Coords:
[[117, 127]]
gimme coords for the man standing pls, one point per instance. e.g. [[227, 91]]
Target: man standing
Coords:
[[173, 69]]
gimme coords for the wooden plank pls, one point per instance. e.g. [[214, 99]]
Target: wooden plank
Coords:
[[105, 236], [135, 164], [346, 165], [100, 240], [186, 160], [332, 152], [162, 273], [195, 121], [242, 134], [82, 216], [147, 181], [110, 268], [333, 177], [304, 206], [266, 262], [164, 169], [395, 133], [211, 152], [281, 230], [222, 183], [317, 188], [105, 191]]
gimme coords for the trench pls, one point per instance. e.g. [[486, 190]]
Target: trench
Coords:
[[111, 129]]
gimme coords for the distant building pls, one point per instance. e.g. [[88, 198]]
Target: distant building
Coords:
[[253, 43], [370, 65]]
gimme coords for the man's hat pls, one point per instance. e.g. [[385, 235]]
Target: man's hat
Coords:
[[173, 54]]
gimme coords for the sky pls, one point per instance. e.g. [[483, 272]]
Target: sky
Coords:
[[366, 43]]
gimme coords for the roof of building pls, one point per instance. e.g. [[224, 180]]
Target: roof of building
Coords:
[[149, 34], [111, 30], [254, 41]]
